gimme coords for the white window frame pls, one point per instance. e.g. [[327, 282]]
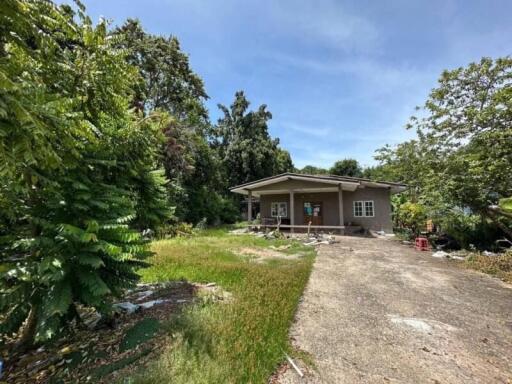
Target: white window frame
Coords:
[[363, 208], [279, 204], [371, 205]]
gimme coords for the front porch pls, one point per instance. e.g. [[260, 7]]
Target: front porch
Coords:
[[301, 209], [331, 203]]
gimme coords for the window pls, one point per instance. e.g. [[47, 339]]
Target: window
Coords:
[[279, 209], [364, 208], [358, 208], [368, 208]]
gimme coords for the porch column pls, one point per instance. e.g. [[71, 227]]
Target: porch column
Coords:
[[292, 210], [249, 207], [340, 206]]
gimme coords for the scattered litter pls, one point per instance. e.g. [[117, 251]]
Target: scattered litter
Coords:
[[294, 365], [149, 304], [406, 242], [127, 307], [319, 238], [440, 254], [487, 253]]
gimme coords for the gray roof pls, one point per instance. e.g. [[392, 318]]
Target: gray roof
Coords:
[[319, 178]]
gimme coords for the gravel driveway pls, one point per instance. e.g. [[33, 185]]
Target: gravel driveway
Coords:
[[375, 311]]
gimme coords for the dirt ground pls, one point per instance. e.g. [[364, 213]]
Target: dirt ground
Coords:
[[376, 311]]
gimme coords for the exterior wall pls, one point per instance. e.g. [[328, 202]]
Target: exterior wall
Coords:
[[330, 214], [330, 207], [382, 209], [380, 197]]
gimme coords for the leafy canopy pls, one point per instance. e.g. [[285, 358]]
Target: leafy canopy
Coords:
[[462, 157], [77, 169]]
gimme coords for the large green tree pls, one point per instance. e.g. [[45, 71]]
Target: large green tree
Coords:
[[244, 145], [347, 167], [167, 82], [312, 170], [76, 169], [463, 154]]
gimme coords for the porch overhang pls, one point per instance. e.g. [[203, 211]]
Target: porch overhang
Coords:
[[323, 184]]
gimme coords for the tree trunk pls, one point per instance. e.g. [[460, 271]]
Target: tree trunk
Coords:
[[26, 340]]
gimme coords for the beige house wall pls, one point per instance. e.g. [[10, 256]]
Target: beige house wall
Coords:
[[380, 197]]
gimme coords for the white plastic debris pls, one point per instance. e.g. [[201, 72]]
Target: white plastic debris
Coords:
[[126, 306], [294, 366], [440, 254], [487, 253], [152, 303]]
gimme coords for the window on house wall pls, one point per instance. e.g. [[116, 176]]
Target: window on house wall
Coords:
[[279, 209], [358, 208], [364, 208], [368, 208]]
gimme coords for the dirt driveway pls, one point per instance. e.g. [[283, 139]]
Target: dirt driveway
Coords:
[[375, 311]]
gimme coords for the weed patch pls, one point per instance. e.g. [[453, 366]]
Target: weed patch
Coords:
[[243, 340], [499, 266]]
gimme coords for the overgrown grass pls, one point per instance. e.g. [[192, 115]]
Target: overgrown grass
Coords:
[[499, 266], [241, 341]]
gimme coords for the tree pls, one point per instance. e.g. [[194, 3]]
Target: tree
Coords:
[[244, 145], [284, 161], [346, 167], [74, 169], [312, 170], [462, 157], [167, 81]]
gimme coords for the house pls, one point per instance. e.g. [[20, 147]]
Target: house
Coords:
[[340, 203]]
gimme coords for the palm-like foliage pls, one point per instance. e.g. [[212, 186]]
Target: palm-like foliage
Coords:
[[74, 169]]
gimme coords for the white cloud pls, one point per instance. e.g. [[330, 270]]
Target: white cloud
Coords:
[[309, 130], [325, 22]]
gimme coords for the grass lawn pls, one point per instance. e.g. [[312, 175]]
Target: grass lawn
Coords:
[[239, 341]]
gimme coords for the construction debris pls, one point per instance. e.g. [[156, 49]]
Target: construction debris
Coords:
[[127, 307], [240, 231], [297, 369], [319, 238]]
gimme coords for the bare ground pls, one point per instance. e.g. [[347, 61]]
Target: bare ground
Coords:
[[375, 311]]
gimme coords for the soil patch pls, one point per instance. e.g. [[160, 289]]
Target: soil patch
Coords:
[[260, 255]]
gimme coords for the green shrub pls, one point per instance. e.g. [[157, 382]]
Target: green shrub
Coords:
[[469, 230]]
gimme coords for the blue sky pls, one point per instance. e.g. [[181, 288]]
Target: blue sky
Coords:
[[341, 78]]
